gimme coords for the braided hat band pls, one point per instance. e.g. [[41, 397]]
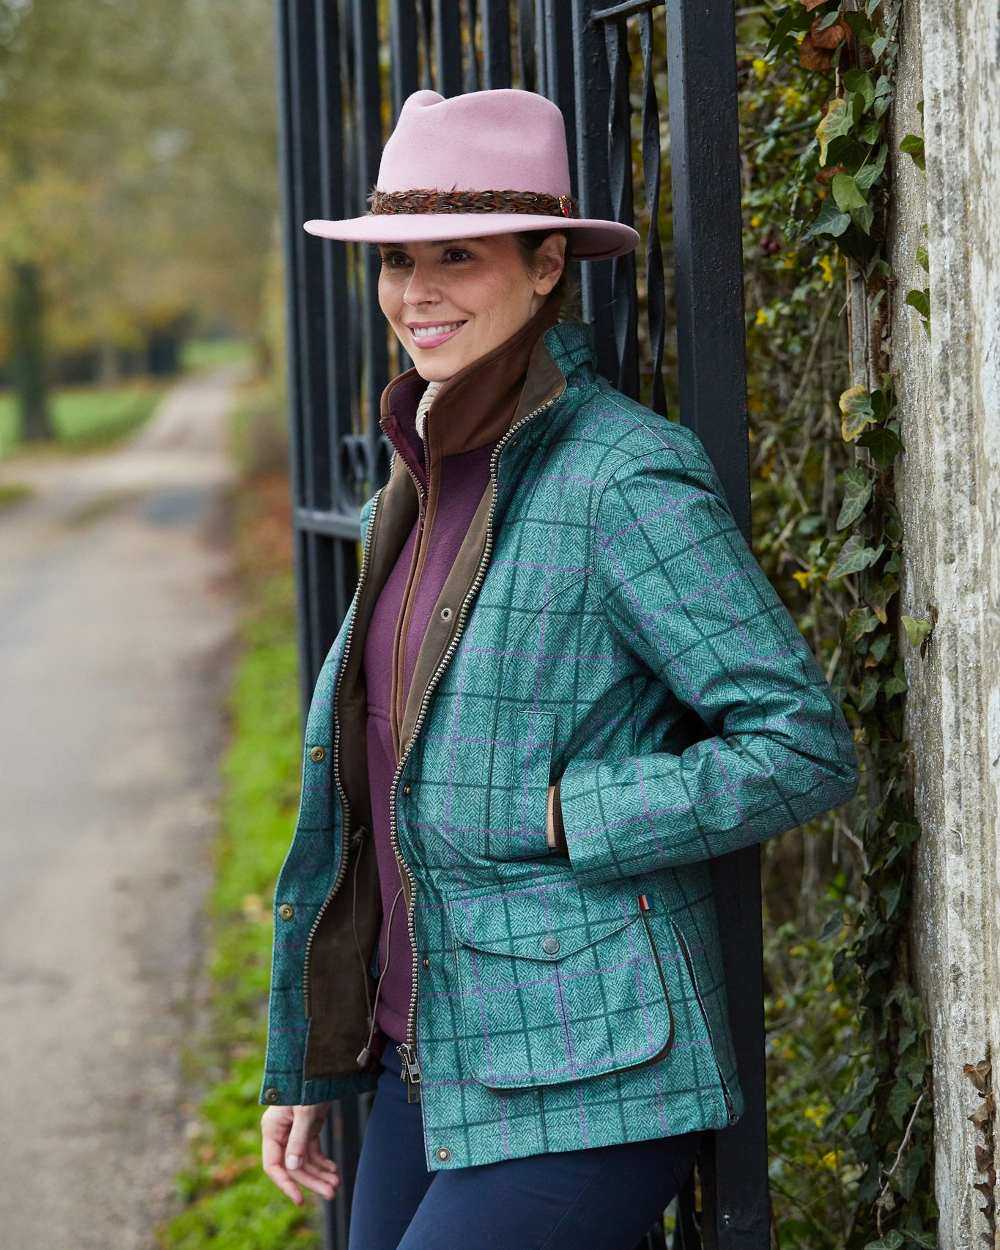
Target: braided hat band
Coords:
[[431, 200]]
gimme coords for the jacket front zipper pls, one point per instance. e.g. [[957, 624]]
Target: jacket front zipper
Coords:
[[345, 805], [410, 1065]]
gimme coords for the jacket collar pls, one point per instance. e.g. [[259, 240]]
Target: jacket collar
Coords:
[[475, 406]]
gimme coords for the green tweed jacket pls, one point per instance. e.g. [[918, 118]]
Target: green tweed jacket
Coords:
[[605, 627]]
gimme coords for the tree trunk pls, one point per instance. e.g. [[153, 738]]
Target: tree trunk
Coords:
[[27, 351]]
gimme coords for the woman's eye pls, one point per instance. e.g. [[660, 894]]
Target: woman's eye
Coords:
[[397, 260]]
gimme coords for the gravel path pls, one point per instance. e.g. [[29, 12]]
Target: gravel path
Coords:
[[117, 631]]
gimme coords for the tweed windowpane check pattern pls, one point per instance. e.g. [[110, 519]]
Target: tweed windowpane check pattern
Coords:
[[624, 643]]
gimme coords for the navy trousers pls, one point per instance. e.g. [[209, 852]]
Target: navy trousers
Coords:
[[603, 1198]]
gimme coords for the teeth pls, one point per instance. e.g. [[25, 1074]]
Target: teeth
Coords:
[[430, 332]]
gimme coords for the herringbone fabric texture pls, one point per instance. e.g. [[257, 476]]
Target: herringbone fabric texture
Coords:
[[625, 642]]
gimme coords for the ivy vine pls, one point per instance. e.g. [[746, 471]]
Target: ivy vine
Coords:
[[886, 1109]]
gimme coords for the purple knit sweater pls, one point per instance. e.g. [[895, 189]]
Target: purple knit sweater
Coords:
[[463, 478]]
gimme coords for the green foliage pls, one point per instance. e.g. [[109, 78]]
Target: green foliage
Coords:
[[850, 1107]]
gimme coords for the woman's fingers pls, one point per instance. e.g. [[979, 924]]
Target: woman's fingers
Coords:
[[273, 1150], [292, 1152], [316, 1158], [320, 1182]]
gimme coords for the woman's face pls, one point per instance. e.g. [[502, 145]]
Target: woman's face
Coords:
[[482, 283]]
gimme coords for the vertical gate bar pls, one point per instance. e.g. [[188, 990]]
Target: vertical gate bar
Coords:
[[540, 42], [701, 65], [527, 70], [285, 75], [470, 79], [406, 32], [340, 555], [425, 21], [448, 47], [557, 18], [368, 128], [308, 304], [656, 312], [620, 178], [590, 80], [496, 44], [403, 45]]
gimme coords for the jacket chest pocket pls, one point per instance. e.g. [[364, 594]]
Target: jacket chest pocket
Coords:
[[520, 764], [557, 983]]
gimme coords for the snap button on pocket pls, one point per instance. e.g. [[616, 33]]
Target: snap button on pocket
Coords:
[[272, 1095], [316, 754], [550, 945], [286, 911], [443, 1153], [446, 614]]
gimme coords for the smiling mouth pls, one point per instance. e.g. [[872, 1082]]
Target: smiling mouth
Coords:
[[435, 333]]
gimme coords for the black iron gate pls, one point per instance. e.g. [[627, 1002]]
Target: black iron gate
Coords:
[[345, 67]]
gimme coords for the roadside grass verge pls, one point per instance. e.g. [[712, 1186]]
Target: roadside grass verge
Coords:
[[207, 353], [13, 492], [85, 417], [228, 1202]]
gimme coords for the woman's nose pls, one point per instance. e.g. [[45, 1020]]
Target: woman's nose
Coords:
[[419, 287]]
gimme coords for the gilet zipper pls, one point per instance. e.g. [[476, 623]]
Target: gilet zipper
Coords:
[[410, 1071]]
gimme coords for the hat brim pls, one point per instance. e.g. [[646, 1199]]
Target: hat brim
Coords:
[[587, 238]]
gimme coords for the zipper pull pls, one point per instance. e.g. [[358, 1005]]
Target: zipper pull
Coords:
[[410, 1072]]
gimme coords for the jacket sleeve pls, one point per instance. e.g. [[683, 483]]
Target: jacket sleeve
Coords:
[[681, 591]]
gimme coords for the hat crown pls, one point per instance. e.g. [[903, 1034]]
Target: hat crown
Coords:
[[500, 139]]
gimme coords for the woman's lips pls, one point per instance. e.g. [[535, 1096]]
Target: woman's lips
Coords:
[[425, 341]]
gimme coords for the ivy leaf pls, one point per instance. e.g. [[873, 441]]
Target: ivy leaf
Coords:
[[788, 25], [908, 1173], [846, 193], [834, 923], [860, 81], [870, 173], [829, 220], [837, 121], [866, 700], [880, 594], [856, 412], [917, 629], [927, 1241], [853, 557], [860, 621], [883, 443], [891, 1241], [858, 485], [914, 146], [921, 301], [897, 683], [922, 258]]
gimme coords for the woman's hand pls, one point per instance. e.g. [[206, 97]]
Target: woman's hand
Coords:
[[292, 1151]]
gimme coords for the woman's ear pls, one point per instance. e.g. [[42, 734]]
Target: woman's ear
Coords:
[[550, 260]]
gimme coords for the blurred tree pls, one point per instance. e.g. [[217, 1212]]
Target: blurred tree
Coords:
[[138, 157]]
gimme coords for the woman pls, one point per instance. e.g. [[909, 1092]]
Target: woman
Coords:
[[563, 685]]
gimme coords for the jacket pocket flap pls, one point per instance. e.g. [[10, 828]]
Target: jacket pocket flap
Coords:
[[557, 982], [536, 922]]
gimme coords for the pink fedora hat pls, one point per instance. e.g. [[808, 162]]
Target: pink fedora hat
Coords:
[[484, 162]]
